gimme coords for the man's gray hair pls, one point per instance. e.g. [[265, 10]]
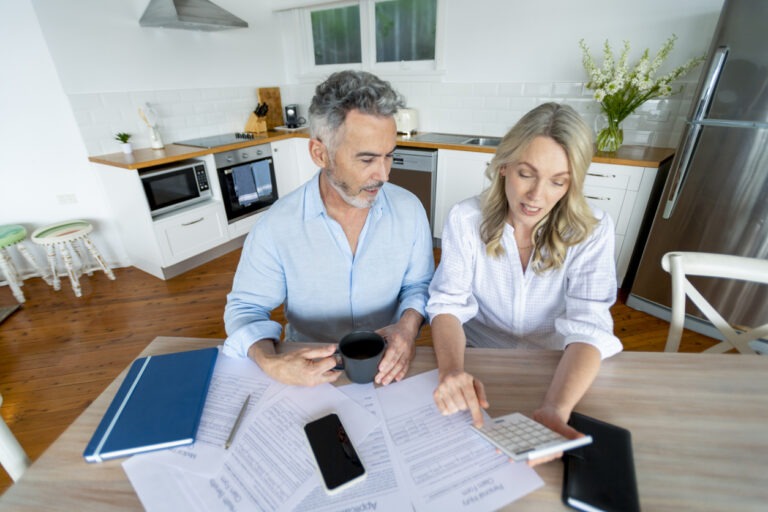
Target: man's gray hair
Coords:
[[345, 91]]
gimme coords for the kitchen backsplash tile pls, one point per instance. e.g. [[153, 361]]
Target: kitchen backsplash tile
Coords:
[[481, 109]]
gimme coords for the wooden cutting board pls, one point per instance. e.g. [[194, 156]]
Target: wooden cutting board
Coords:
[[271, 96]]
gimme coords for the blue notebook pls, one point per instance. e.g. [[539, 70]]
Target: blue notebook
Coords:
[[158, 405]]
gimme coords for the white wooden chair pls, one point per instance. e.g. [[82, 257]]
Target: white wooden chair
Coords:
[[12, 456], [683, 264]]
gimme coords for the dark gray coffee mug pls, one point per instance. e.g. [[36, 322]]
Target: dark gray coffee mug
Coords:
[[361, 352]]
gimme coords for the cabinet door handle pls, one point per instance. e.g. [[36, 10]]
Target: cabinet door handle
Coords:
[[192, 222], [597, 198], [601, 175]]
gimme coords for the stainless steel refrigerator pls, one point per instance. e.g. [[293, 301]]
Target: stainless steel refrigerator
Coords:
[[716, 195]]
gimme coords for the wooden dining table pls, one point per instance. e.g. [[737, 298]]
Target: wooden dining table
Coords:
[[699, 426]]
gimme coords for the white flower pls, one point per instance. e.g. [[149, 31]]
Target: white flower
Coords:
[[621, 89]]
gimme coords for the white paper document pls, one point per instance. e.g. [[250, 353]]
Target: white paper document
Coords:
[[447, 465], [268, 465], [383, 488], [415, 458]]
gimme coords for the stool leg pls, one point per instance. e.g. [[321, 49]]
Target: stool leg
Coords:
[[32, 261], [71, 271], [6, 265], [85, 268], [50, 252], [97, 256]]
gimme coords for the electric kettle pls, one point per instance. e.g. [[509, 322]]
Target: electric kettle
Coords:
[[407, 120]]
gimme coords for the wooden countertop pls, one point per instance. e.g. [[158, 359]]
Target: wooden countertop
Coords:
[[641, 156], [146, 157], [638, 156]]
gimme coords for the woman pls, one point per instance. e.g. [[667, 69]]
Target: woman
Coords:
[[527, 264]]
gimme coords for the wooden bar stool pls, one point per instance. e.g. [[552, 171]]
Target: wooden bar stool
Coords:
[[62, 236], [13, 235]]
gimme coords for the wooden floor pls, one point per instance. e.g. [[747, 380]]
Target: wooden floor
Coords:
[[58, 352]]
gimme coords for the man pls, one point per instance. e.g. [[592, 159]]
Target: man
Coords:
[[346, 251]]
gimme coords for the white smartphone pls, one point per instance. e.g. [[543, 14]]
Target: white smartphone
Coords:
[[336, 458]]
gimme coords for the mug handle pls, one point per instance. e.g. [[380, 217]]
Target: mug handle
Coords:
[[339, 361]]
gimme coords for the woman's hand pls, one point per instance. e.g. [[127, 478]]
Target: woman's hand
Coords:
[[556, 420], [459, 391]]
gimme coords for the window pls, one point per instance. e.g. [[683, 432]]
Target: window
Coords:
[[336, 35], [378, 35]]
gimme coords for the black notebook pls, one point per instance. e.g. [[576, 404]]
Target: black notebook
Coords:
[[600, 476], [158, 405]]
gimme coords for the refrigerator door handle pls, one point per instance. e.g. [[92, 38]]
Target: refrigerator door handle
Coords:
[[710, 82], [692, 138], [681, 172]]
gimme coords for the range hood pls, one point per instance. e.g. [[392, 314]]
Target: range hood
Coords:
[[189, 15]]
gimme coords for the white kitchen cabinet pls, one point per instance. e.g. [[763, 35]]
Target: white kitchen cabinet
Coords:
[[191, 232], [172, 243], [622, 191], [286, 166], [293, 165], [460, 174]]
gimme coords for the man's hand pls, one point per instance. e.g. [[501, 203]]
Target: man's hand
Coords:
[[401, 346], [302, 367], [459, 391]]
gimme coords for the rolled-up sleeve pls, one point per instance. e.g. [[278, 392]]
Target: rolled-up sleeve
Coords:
[[590, 291], [258, 288]]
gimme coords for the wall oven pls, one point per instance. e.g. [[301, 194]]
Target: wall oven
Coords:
[[172, 187], [247, 179]]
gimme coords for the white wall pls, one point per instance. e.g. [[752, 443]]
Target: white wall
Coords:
[[525, 41], [46, 176], [74, 73]]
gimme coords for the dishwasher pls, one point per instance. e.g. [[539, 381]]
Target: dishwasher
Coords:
[[416, 171]]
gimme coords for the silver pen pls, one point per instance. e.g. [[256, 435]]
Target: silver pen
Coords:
[[237, 422]]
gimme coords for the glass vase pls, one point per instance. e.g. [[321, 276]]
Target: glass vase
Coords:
[[611, 137]]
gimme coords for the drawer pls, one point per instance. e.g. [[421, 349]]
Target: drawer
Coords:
[[191, 233], [610, 200], [624, 177]]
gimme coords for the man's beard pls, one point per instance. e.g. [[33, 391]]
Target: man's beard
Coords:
[[350, 197]]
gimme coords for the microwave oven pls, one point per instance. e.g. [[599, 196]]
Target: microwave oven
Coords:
[[176, 186]]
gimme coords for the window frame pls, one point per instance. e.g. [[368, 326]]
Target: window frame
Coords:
[[310, 71]]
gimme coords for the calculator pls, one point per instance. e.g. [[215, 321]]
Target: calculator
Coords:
[[522, 438]]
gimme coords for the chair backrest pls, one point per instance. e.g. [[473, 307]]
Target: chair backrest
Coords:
[[12, 456], [725, 266]]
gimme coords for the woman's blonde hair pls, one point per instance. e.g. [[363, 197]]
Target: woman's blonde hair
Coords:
[[571, 220]]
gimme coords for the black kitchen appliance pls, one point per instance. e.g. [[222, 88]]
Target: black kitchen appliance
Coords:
[[416, 170], [246, 175], [172, 187], [247, 179], [292, 116]]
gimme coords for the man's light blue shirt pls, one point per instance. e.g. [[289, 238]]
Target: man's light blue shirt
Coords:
[[298, 256]]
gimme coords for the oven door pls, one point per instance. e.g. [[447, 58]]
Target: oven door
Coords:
[[248, 188]]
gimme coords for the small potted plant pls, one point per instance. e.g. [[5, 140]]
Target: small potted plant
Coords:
[[124, 139]]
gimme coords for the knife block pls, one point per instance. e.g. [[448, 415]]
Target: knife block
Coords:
[[255, 124]]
